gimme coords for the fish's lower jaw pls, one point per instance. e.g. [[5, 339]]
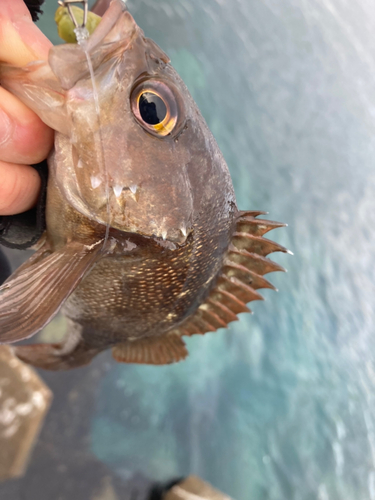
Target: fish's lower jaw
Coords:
[[168, 238], [118, 220], [126, 220]]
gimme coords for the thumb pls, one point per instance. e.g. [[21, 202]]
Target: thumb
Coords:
[[21, 41]]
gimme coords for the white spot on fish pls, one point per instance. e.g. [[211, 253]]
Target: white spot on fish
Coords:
[[90, 247], [183, 230], [80, 163], [133, 188], [117, 190], [129, 245], [95, 181], [166, 244], [164, 234]]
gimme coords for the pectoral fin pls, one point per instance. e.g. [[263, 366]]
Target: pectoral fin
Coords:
[[32, 296]]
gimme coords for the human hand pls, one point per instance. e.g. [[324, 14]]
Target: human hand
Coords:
[[24, 138]]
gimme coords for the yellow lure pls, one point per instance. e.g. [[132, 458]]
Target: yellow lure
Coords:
[[65, 26]]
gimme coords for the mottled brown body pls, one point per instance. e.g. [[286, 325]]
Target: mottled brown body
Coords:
[[140, 287], [146, 285], [144, 241], [148, 290]]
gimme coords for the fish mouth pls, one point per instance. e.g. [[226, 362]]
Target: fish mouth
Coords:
[[137, 238], [171, 239], [124, 211], [167, 237], [151, 208]]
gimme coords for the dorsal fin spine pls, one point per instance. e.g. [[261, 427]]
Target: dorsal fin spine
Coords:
[[256, 244], [243, 307], [257, 281], [247, 289], [241, 275], [250, 213], [223, 310], [207, 327], [257, 227], [262, 264], [212, 316]]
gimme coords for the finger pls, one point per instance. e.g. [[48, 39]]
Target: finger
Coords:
[[24, 138], [19, 188], [21, 41]]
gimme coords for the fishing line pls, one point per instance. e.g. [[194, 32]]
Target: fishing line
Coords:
[[82, 35], [101, 146]]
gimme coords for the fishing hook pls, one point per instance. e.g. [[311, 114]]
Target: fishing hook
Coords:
[[67, 4]]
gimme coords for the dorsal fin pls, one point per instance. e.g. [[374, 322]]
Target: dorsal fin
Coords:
[[241, 276]]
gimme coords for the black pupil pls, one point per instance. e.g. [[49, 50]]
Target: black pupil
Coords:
[[152, 108]]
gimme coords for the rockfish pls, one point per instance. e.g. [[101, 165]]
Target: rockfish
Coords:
[[144, 241]]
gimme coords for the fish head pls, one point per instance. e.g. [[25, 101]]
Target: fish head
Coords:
[[132, 149]]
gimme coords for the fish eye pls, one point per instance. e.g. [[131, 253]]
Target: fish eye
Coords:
[[152, 108], [155, 107]]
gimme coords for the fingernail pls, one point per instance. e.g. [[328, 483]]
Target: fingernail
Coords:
[[13, 50], [6, 128], [37, 43], [21, 41]]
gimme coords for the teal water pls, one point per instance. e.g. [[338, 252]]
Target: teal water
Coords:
[[281, 406]]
